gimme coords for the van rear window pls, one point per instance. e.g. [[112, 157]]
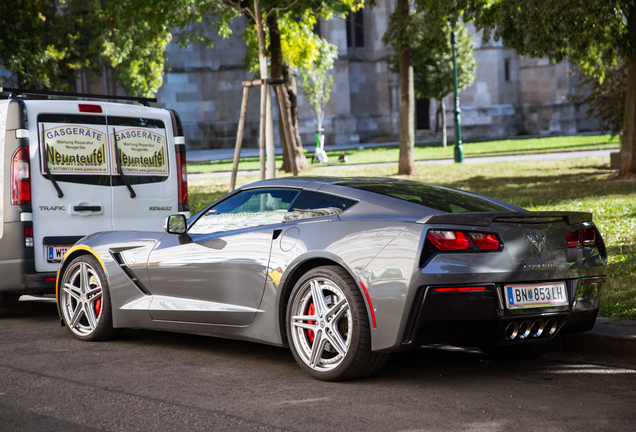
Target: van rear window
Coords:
[[89, 149]]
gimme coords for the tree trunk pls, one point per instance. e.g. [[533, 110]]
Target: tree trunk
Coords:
[[292, 95], [627, 167], [406, 164], [266, 117], [281, 71], [276, 57], [442, 104]]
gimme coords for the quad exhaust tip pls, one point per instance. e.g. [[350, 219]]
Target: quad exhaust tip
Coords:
[[530, 329]]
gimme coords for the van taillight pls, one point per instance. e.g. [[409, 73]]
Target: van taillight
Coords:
[[21, 177], [182, 174], [28, 236]]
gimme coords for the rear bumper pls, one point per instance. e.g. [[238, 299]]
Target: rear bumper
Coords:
[[19, 277], [476, 318]]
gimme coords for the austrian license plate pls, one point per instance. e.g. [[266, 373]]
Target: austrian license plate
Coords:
[[56, 253], [536, 295]]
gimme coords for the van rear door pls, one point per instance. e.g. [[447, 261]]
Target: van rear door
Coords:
[[70, 176], [144, 176]]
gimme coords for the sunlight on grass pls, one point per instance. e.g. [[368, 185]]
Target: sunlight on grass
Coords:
[[434, 151]]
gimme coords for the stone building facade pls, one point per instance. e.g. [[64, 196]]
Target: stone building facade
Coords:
[[512, 95]]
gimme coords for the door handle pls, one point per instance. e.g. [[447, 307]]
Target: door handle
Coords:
[[87, 208]]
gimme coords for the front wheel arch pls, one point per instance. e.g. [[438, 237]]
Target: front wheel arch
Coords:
[[68, 258], [84, 302]]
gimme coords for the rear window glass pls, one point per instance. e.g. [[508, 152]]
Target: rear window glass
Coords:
[[435, 197], [89, 149]]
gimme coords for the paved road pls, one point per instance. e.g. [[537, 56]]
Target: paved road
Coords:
[[152, 381]]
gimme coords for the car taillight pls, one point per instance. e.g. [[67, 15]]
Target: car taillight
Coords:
[[485, 241], [182, 181], [28, 236], [448, 240], [586, 236], [20, 177]]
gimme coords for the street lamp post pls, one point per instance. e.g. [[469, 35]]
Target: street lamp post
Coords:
[[459, 149]]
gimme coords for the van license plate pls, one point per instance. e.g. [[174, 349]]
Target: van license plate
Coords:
[[56, 253], [536, 295]]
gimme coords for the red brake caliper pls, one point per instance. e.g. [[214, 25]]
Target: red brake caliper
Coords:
[[98, 306], [311, 311]]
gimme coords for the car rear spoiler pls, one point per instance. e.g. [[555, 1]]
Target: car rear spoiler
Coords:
[[529, 217]]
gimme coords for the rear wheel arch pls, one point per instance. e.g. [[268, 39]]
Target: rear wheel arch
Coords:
[[328, 327], [290, 281]]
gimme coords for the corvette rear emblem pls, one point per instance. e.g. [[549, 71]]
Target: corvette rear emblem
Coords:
[[537, 240]]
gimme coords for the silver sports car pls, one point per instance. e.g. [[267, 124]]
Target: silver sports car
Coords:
[[344, 271]]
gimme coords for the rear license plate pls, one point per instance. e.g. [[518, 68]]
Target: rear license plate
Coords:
[[536, 295], [56, 253]]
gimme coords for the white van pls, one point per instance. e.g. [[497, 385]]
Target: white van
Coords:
[[69, 168]]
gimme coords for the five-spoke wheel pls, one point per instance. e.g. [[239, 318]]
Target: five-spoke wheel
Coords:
[[328, 327], [84, 300]]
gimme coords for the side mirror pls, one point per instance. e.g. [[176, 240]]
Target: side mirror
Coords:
[[175, 224]]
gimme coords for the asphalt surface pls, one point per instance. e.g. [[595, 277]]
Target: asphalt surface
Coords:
[[615, 337], [161, 381]]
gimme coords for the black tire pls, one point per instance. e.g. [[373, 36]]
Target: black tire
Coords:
[[517, 352], [336, 344], [85, 301]]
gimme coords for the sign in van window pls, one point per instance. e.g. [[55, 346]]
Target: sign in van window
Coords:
[[74, 149], [142, 151]]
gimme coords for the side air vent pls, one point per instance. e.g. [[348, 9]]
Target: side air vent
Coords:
[[119, 259]]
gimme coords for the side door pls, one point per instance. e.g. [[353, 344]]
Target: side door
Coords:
[[70, 180], [219, 276], [144, 180]]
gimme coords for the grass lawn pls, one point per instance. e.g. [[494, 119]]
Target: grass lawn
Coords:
[[430, 151], [574, 184]]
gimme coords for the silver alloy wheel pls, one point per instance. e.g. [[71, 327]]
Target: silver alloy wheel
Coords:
[[82, 298], [321, 324]]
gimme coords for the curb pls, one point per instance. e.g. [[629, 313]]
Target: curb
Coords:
[[615, 340]]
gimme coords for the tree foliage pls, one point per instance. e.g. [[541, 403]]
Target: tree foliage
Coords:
[[44, 43], [305, 51], [299, 43], [605, 98], [316, 79], [433, 69], [433, 58], [594, 34], [591, 33]]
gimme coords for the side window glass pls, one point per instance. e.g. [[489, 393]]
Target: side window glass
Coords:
[[315, 204], [247, 209]]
